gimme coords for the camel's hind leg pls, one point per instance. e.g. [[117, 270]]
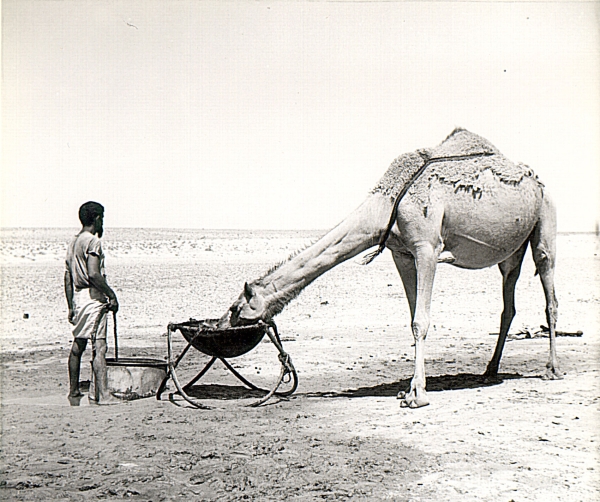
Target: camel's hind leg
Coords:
[[543, 247], [511, 269]]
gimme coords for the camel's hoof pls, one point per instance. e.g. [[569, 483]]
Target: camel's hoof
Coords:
[[411, 400], [416, 403], [490, 377], [553, 374]]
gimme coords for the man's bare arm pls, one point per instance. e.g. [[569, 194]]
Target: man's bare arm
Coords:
[[99, 282], [69, 294]]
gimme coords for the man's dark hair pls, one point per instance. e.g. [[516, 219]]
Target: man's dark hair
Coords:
[[89, 211]]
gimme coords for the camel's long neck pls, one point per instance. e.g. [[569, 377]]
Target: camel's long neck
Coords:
[[361, 230]]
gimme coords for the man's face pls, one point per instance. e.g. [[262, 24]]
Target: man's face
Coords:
[[99, 225]]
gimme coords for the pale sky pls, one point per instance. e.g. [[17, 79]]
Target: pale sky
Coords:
[[283, 115]]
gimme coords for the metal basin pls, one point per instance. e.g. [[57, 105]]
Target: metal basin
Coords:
[[224, 343]]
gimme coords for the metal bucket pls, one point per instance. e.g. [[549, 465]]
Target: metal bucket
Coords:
[[131, 378]]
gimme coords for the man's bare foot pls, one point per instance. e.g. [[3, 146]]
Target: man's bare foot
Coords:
[[75, 400], [107, 401]]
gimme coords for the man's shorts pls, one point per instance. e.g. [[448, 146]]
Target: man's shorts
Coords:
[[90, 310]]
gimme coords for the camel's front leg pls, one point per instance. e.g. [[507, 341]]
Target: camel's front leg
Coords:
[[425, 262]]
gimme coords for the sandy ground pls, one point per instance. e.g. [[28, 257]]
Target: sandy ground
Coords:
[[342, 435]]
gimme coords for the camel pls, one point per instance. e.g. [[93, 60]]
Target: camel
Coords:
[[461, 203]]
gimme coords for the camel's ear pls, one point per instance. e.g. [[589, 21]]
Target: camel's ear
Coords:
[[248, 293]]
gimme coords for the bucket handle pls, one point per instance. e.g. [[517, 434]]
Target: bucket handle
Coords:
[[115, 333]]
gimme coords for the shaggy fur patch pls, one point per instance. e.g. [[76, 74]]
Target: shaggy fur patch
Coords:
[[463, 174]]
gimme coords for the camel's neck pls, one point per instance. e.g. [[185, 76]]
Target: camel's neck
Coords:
[[361, 230]]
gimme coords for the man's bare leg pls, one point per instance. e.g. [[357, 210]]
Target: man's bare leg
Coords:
[[77, 350], [102, 393]]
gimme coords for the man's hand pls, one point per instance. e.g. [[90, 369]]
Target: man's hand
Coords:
[[99, 282], [113, 304], [72, 316]]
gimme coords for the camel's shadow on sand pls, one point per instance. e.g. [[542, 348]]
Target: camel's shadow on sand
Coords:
[[434, 384]]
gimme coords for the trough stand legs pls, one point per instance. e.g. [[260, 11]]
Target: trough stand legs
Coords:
[[163, 384], [287, 370]]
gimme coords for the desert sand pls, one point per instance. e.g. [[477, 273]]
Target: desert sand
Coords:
[[342, 435]]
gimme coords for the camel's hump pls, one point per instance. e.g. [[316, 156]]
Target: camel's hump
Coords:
[[458, 144], [462, 142]]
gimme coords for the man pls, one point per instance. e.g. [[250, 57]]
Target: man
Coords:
[[89, 298]]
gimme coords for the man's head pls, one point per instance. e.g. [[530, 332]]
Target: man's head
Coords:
[[91, 214]]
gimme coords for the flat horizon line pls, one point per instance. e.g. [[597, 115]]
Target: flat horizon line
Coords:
[[562, 232], [175, 228]]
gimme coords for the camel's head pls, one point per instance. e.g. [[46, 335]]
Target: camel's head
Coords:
[[249, 308]]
